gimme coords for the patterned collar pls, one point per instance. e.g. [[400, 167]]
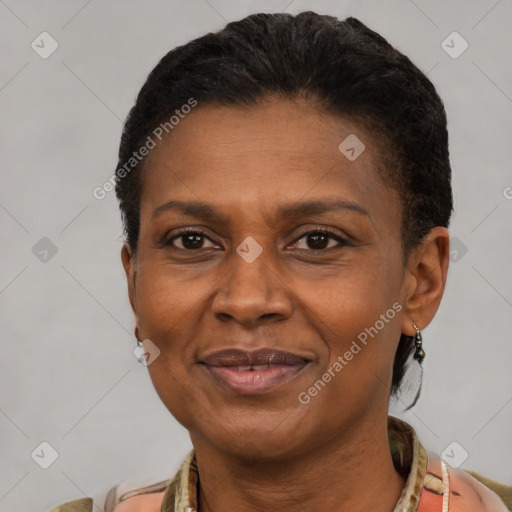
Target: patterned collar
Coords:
[[409, 458]]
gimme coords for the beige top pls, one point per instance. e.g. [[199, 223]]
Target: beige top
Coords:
[[430, 486]]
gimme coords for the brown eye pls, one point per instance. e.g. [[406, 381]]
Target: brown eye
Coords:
[[190, 240], [319, 240]]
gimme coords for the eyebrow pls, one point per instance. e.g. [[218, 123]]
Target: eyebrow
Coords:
[[318, 207], [286, 211]]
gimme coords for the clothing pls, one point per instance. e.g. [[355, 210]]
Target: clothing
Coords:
[[430, 486]]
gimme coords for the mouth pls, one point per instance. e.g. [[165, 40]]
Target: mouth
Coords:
[[253, 373]]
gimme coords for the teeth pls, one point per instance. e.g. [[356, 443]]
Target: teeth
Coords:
[[261, 367], [253, 367]]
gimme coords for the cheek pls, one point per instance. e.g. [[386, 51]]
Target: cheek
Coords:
[[345, 306], [163, 319], [165, 315], [171, 385], [165, 304], [360, 337], [358, 317]]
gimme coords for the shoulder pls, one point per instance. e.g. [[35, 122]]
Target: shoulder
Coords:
[[141, 503], [122, 499], [459, 490]]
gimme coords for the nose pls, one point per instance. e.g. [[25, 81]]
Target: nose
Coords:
[[252, 293]]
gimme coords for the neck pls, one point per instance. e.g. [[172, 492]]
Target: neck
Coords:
[[353, 472]]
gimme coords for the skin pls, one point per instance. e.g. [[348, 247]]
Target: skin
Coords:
[[269, 451]]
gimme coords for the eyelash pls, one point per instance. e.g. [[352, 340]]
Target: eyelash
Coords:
[[324, 231]]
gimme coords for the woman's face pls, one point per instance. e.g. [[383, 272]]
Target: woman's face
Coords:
[[252, 275]]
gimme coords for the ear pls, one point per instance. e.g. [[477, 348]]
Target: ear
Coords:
[[425, 279], [129, 260]]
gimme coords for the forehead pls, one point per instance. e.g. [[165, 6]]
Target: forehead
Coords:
[[266, 154], [292, 129]]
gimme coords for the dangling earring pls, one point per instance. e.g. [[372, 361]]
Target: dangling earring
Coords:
[[419, 353], [139, 343]]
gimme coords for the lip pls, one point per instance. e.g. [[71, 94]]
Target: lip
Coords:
[[253, 372]]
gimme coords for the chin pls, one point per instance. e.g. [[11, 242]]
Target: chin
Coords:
[[262, 446]]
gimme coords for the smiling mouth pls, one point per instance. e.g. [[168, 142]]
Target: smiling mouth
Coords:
[[253, 373]]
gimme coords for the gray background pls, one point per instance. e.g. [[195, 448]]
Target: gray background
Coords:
[[68, 374]]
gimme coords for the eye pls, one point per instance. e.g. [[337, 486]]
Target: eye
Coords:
[[320, 239], [190, 240]]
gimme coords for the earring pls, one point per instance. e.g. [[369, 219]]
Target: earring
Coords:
[[419, 353], [136, 332]]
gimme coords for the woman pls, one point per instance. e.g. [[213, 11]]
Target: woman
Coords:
[[285, 190]]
